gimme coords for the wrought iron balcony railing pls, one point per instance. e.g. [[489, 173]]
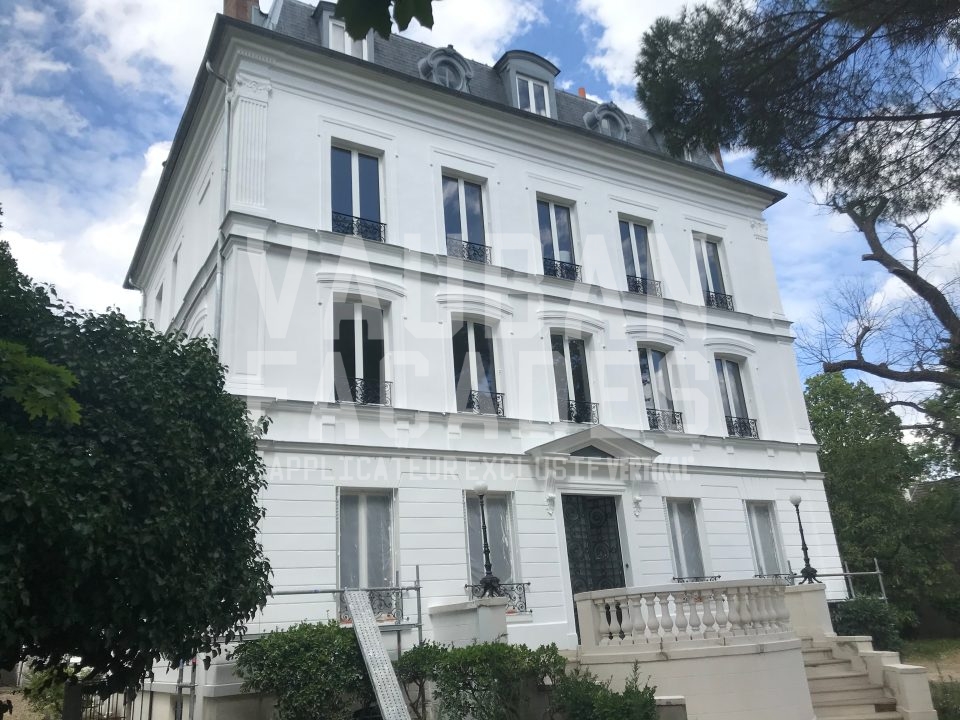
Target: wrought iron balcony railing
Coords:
[[387, 604], [485, 403], [474, 252], [644, 286], [665, 420], [516, 594], [367, 229], [719, 300], [742, 427], [583, 412], [562, 270], [362, 392]]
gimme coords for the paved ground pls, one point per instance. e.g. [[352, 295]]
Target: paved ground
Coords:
[[21, 711], [940, 657]]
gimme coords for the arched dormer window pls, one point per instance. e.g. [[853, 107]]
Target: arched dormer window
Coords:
[[447, 67], [608, 120]]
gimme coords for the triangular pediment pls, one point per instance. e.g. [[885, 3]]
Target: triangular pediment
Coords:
[[597, 441]]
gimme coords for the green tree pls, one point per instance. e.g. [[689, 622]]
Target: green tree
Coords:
[[128, 530], [868, 470], [854, 97], [362, 16]]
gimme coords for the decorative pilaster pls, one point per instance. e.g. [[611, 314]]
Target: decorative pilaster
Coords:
[[248, 166]]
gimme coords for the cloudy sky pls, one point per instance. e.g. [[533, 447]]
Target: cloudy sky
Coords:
[[91, 92]]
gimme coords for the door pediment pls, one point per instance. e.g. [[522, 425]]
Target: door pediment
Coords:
[[597, 441]]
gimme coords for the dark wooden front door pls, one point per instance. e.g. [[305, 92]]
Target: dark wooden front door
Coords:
[[593, 542]]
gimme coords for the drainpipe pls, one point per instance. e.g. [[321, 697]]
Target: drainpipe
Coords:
[[224, 179]]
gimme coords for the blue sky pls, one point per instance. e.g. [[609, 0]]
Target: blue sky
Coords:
[[91, 92]]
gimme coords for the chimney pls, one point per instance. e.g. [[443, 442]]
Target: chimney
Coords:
[[582, 92], [241, 9]]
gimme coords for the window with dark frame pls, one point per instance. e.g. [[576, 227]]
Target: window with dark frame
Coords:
[[474, 369], [359, 352], [572, 379]]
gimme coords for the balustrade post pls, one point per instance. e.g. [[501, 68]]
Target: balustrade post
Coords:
[[653, 624], [589, 626], [679, 601], [695, 623], [709, 620], [721, 614], [627, 622], [736, 617], [666, 619]]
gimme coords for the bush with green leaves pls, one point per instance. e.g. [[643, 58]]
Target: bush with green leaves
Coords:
[[946, 699], [869, 616], [581, 696], [315, 671]]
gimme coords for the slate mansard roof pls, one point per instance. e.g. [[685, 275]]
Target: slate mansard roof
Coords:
[[302, 22]]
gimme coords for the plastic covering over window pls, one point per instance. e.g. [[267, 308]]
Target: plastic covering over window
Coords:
[[366, 540], [685, 537], [499, 534]]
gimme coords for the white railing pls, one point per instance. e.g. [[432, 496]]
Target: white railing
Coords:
[[707, 612]]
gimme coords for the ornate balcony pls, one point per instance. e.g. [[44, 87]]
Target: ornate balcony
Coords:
[[485, 403], [692, 613], [562, 270], [742, 427], [362, 392], [367, 229], [474, 252], [516, 594], [719, 300], [668, 420], [696, 578], [644, 286], [583, 412]]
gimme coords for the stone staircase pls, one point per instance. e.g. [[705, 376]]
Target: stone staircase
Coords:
[[838, 690]]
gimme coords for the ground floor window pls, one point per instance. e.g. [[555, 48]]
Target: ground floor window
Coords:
[[764, 537], [366, 540], [685, 538], [499, 534]]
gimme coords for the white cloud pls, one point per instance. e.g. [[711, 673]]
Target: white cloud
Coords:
[[23, 65], [479, 30], [622, 24], [88, 268], [27, 19], [131, 38]]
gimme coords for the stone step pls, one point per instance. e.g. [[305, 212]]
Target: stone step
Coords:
[[858, 715], [840, 680], [817, 654], [869, 695], [826, 668]]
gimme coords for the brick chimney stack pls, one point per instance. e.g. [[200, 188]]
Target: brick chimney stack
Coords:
[[241, 9], [582, 92]]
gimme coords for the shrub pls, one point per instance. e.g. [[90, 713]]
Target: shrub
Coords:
[[946, 699], [580, 696], [315, 671], [869, 616], [415, 668]]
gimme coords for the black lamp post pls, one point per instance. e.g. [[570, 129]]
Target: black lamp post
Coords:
[[489, 583], [808, 573]]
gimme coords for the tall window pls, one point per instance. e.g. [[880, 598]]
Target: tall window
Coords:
[[463, 219], [764, 538], [366, 540], [707, 251], [734, 401], [158, 305], [474, 372], [358, 354], [341, 41], [532, 96], [636, 258], [685, 538], [573, 384], [556, 240], [355, 194], [499, 534], [657, 396]]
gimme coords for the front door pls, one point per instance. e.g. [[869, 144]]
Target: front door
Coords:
[[593, 542]]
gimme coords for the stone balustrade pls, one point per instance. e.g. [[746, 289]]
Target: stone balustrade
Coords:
[[721, 612]]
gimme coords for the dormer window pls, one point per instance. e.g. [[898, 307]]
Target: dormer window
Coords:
[[532, 96], [341, 41], [607, 119], [447, 67]]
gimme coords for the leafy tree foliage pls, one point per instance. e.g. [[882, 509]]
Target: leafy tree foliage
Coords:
[[856, 95], [362, 16], [128, 515], [868, 470]]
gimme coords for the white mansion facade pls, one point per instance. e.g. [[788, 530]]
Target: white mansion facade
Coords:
[[432, 273]]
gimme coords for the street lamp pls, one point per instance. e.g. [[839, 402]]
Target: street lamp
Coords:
[[489, 583], [808, 573]]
